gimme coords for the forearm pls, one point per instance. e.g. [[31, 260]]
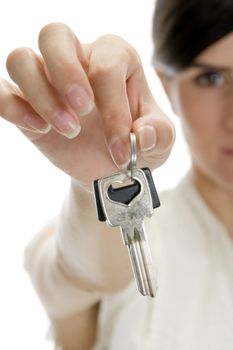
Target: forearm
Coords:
[[90, 250], [77, 332], [76, 260]]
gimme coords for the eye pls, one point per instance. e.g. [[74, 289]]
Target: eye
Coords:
[[210, 79]]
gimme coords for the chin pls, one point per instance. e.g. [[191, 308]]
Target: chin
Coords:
[[223, 178], [218, 174]]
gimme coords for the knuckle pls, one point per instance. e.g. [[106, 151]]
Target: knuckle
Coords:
[[17, 57], [102, 69], [51, 28], [108, 37], [134, 54], [111, 55], [113, 40], [122, 47]]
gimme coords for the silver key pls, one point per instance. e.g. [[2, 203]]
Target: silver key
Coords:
[[130, 218]]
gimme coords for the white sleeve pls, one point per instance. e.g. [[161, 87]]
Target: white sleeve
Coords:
[[124, 321], [76, 257], [60, 294]]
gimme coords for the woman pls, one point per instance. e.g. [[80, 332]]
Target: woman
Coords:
[[74, 262]]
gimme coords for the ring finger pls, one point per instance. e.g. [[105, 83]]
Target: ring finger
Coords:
[[26, 70]]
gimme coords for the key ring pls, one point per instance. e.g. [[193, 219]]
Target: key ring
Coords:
[[133, 157]]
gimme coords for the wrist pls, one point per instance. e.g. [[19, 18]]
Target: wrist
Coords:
[[81, 201]]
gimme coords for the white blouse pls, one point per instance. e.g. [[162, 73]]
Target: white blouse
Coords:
[[193, 309]]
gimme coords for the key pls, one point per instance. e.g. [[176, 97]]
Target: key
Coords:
[[127, 207]]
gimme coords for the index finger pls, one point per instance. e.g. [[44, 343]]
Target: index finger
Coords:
[[66, 62]]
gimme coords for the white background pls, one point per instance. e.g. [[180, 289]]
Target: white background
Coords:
[[31, 189]]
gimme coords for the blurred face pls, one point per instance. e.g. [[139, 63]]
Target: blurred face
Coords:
[[202, 96]]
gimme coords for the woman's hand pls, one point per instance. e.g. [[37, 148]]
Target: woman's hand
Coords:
[[78, 103]]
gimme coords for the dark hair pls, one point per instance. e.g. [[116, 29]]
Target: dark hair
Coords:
[[184, 28]]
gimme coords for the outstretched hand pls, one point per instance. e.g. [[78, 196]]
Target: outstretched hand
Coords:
[[78, 103]]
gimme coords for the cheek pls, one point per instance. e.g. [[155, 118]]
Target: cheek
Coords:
[[200, 118], [199, 113]]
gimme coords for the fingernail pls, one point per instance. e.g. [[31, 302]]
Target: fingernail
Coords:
[[119, 152], [36, 123], [66, 124], [147, 138], [79, 100]]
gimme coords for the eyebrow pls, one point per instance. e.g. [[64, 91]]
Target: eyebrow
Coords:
[[209, 66]]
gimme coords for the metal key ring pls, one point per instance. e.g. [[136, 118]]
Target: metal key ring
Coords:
[[133, 157]]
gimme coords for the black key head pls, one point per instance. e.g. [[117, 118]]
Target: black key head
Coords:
[[154, 194], [125, 194]]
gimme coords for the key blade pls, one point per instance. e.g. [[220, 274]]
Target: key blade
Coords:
[[140, 257]]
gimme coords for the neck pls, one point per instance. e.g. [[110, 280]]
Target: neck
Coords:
[[218, 198]]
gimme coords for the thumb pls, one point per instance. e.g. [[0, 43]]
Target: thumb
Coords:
[[155, 138]]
